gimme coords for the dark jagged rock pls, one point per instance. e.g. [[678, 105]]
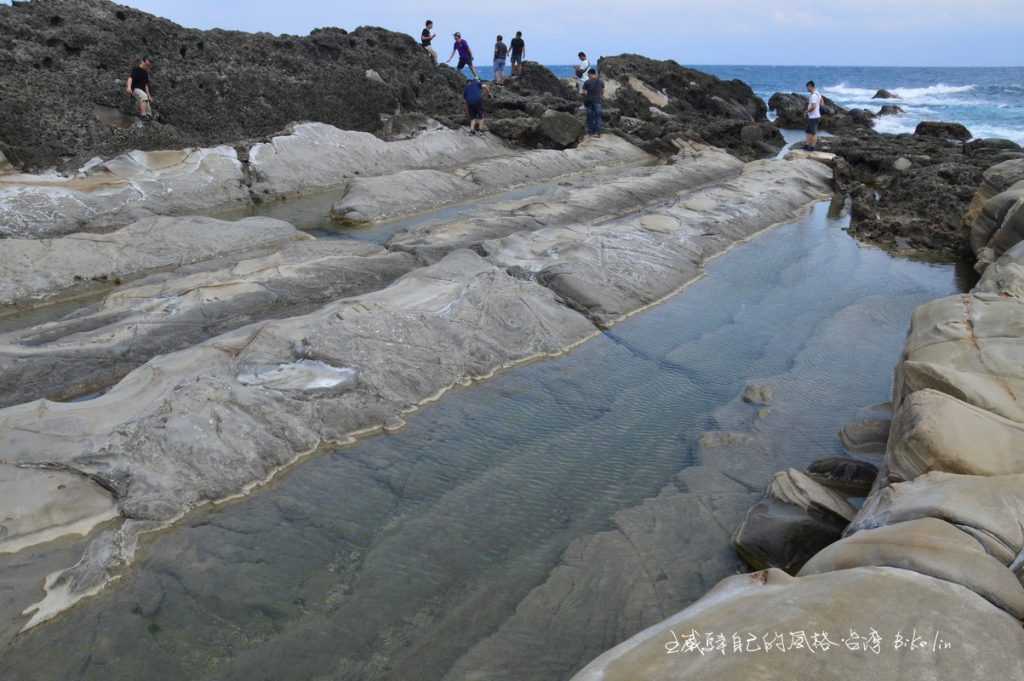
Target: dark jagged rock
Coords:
[[890, 110], [560, 129], [790, 112], [943, 130], [847, 476], [63, 64], [680, 103], [536, 79], [885, 94], [920, 209]]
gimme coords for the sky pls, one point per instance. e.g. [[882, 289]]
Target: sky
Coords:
[[803, 32]]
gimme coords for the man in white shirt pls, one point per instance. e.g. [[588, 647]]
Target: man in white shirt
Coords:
[[581, 71], [813, 116]]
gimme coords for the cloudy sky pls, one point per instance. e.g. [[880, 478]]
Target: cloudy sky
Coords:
[[811, 32]]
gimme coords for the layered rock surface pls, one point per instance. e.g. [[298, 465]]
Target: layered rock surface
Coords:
[[941, 528]]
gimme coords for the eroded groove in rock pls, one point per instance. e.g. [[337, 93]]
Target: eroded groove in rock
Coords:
[[95, 348]]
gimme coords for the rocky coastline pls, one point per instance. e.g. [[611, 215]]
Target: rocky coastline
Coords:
[[156, 357]]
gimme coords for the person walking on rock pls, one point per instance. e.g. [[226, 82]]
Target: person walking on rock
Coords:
[[581, 71], [465, 55], [138, 87], [474, 93], [593, 100], [500, 53], [813, 116], [518, 46], [427, 37]]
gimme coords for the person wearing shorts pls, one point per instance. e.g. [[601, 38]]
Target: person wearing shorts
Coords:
[[138, 87], [461, 48], [474, 95], [500, 53], [427, 37], [518, 46], [813, 116]]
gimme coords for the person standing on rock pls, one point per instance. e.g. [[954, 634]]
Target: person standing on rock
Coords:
[[518, 46], [427, 37], [500, 53], [465, 55], [593, 100], [138, 87], [813, 116], [474, 93], [581, 71]]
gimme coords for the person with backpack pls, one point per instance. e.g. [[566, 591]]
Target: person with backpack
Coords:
[[518, 46], [814, 102], [465, 55], [427, 37], [474, 93], [581, 71], [500, 53]]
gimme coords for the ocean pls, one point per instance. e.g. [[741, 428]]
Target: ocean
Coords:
[[989, 101]]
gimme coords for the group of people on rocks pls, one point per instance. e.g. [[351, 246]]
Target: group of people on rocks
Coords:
[[588, 84]]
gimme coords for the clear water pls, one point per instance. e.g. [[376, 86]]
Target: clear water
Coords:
[[397, 557], [989, 101]]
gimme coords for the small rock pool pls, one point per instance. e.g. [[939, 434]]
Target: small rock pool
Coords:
[[518, 527]]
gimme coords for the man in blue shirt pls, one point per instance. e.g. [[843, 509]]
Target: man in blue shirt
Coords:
[[593, 100], [474, 96]]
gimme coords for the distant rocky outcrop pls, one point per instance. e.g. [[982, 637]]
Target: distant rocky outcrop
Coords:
[[63, 65], [661, 101], [885, 94], [791, 112], [943, 130], [890, 110]]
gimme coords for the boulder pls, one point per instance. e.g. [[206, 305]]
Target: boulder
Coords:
[[989, 508], [849, 477], [902, 164], [796, 518], [791, 112], [933, 431], [1005, 278], [536, 79], [758, 393], [866, 436], [930, 547], [955, 131], [969, 347], [518, 130], [839, 614], [884, 94], [560, 130], [891, 110]]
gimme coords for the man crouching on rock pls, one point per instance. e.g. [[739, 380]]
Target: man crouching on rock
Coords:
[[474, 96], [138, 87]]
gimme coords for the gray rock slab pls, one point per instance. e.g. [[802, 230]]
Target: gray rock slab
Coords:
[[95, 347], [33, 270]]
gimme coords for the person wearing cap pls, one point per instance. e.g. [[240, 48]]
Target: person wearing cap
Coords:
[[138, 87], [465, 55]]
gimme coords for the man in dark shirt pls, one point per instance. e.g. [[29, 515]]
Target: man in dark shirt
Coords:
[[593, 100], [465, 55], [518, 46], [474, 96], [138, 87], [427, 37]]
